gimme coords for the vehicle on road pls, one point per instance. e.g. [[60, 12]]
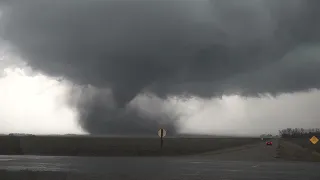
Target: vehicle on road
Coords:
[[269, 143]]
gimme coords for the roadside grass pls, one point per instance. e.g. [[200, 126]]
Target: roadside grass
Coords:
[[293, 151], [305, 143], [115, 146]]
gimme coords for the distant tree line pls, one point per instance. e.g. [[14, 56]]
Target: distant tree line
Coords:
[[20, 134], [299, 132]]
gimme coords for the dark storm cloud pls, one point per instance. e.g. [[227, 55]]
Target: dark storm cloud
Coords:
[[206, 48]]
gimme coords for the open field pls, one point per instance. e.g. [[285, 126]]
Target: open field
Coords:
[[297, 149], [305, 143], [114, 146]]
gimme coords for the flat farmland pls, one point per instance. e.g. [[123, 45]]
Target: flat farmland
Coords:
[[115, 146], [305, 143], [298, 149]]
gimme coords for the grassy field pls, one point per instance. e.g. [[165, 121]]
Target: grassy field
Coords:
[[114, 146], [299, 149], [305, 143]]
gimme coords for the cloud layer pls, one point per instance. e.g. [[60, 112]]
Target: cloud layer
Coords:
[[203, 48], [29, 105]]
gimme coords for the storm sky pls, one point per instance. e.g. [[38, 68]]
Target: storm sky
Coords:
[[115, 53]]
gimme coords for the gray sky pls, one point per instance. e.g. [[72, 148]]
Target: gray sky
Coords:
[[124, 49]]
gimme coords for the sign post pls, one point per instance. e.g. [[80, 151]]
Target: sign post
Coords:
[[161, 133]]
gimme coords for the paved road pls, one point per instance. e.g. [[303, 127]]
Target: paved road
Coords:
[[255, 152], [253, 162]]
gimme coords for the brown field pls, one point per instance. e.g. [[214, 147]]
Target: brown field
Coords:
[[299, 149], [115, 146], [305, 143]]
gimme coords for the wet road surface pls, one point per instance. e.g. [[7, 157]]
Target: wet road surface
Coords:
[[249, 162], [253, 152]]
